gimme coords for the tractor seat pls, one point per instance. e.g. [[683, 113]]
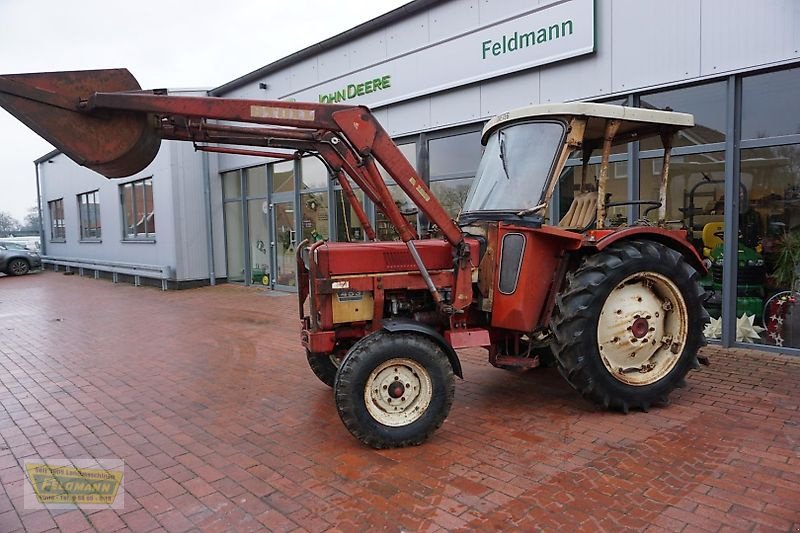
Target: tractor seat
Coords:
[[711, 238], [582, 211]]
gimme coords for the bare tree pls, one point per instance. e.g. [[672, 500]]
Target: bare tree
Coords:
[[31, 221], [8, 224]]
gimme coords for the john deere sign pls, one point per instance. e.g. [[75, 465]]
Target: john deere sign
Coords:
[[353, 90], [428, 64]]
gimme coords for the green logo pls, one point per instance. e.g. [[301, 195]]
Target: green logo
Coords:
[[518, 41], [354, 90]]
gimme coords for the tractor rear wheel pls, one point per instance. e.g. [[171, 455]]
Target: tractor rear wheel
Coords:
[[394, 389], [628, 325]]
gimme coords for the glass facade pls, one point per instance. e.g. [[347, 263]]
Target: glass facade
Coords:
[[348, 227], [733, 175]]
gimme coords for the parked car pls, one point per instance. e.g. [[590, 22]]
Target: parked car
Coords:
[[16, 260]]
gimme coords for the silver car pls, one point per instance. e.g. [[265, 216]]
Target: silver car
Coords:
[[16, 260]]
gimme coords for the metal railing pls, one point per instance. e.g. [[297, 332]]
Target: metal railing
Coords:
[[137, 271]]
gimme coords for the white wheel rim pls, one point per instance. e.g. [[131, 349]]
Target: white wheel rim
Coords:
[[398, 392], [642, 328]]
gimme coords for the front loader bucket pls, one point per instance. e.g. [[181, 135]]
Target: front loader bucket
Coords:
[[113, 143]]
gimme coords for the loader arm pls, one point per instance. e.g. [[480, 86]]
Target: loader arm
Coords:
[[104, 121]]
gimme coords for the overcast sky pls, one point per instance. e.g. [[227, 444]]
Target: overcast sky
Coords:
[[164, 43]]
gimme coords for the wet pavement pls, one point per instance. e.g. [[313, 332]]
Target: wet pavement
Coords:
[[206, 396]]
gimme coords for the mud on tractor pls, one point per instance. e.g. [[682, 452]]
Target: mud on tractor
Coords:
[[619, 308]]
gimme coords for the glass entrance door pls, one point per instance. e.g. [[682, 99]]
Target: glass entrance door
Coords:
[[285, 242], [284, 224]]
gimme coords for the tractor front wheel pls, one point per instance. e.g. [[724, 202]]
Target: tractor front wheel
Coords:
[[629, 324], [394, 389], [324, 366]]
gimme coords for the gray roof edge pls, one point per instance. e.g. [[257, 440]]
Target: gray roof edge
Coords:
[[391, 17], [45, 157]]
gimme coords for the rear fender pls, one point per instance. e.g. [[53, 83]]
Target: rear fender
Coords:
[[675, 239], [412, 326]]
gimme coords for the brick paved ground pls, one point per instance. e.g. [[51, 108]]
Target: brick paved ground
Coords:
[[206, 396]]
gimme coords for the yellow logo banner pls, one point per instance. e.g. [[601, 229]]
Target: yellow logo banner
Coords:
[[55, 484]]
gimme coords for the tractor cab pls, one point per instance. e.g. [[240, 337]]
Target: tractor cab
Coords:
[[526, 151]]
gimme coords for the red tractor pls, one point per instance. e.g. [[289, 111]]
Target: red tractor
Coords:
[[619, 308]]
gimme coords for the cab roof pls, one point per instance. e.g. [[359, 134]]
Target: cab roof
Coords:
[[637, 123]]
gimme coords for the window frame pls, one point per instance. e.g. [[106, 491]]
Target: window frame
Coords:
[[85, 228], [147, 236], [54, 224]]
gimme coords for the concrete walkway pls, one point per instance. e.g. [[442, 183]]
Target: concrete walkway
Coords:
[[206, 396]]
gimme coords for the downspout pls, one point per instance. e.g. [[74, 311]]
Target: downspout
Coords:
[[42, 240], [212, 275]]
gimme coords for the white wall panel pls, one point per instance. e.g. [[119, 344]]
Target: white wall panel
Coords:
[[188, 213], [452, 107], [742, 33], [491, 11], [332, 63], [453, 18], [366, 51], [586, 76], [500, 95], [407, 117], [654, 42], [302, 74], [407, 35]]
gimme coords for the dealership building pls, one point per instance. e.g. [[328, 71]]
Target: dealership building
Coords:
[[433, 72]]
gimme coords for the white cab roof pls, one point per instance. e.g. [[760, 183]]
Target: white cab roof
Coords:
[[645, 121]]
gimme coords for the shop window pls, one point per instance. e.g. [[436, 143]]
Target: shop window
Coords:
[[694, 191], [769, 228], [452, 194], [137, 210], [256, 179], [89, 212], [348, 227], [454, 156], [57, 227], [314, 174], [234, 240], [231, 185], [706, 102], [315, 215], [283, 177], [616, 187], [770, 104], [258, 229], [410, 151], [695, 201], [384, 229]]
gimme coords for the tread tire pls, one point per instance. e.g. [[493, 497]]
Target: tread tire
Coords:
[[323, 367], [23, 267], [577, 313], [365, 356]]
